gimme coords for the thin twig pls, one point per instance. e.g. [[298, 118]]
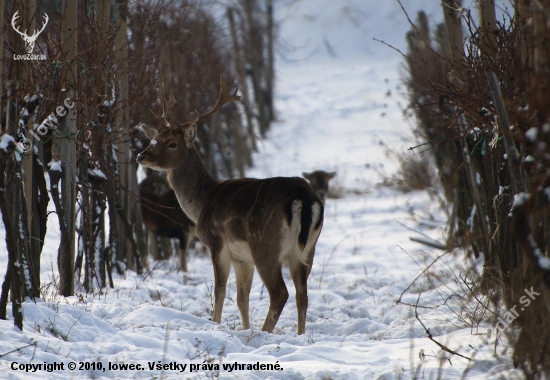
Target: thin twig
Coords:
[[427, 43], [412, 148], [151, 271], [417, 277], [75, 322], [391, 46], [17, 349], [412, 229], [329, 256], [165, 350], [342, 341], [433, 244], [442, 346]]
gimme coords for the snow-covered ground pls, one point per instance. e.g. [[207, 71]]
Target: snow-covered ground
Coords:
[[337, 109]]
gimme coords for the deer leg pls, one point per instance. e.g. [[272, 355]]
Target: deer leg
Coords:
[[222, 264], [272, 278], [245, 273], [183, 249], [183, 259], [154, 245], [300, 273]]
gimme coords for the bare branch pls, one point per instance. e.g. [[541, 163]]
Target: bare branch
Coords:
[[442, 346]]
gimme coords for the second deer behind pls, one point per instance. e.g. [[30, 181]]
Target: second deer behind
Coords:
[[319, 180], [162, 214]]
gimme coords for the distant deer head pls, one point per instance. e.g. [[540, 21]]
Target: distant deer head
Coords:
[[29, 40], [249, 223], [163, 215], [319, 180]]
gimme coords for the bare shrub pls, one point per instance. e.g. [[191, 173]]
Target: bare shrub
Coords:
[[475, 131], [415, 172]]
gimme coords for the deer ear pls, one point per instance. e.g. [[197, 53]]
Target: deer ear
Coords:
[[331, 175], [190, 133], [150, 131], [306, 175]]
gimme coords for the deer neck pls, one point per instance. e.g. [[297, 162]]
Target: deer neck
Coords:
[[192, 184]]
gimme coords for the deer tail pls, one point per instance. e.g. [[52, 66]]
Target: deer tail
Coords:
[[310, 216]]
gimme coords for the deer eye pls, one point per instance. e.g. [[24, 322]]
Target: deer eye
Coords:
[[172, 145]]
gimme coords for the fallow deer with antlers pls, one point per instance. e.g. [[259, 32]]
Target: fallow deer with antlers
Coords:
[[262, 223]]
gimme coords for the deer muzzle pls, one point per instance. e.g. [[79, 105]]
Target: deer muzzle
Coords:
[[141, 157]]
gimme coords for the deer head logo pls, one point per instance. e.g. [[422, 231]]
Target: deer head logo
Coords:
[[29, 40]]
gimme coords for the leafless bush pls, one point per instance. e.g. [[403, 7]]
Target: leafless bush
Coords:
[[415, 172], [120, 51], [500, 209]]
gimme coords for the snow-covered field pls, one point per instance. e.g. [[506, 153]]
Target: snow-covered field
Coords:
[[337, 110]]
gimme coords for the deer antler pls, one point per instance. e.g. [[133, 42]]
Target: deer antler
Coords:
[[223, 98], [166, 104], [36, 32], [15, 17], [46, 19]]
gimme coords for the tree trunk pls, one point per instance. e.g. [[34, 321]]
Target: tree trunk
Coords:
[[97, 201], [256, 51], [488, 26], [241, 80], [67, 152], [270, 72], [9, 236], [15, 211], [122, 117], [2, 62], [451, 13]]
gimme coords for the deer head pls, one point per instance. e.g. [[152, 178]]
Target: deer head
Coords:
[[170, 144], [319, 180], [29, 40]]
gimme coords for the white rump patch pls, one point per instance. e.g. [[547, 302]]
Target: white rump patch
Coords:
[[289, 244]]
